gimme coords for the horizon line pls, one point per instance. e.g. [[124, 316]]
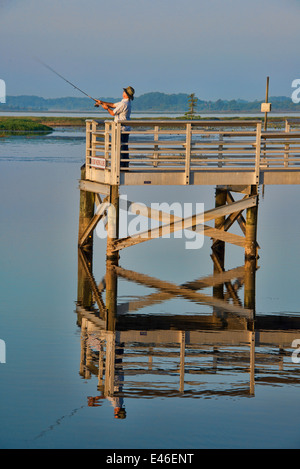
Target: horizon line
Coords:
[[150, 92]]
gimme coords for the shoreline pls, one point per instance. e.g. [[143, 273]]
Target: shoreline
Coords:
[[21, 123]]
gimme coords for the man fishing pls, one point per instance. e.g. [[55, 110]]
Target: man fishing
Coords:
[[121, 112]]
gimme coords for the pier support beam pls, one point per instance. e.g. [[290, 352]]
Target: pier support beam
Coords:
[[86, 213], [251, 228], [218, 248], [86, 210], [111, 280], [250, 284], [113, 224]]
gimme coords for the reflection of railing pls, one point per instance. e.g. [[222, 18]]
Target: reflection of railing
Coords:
[[176, 362], [187, 152]]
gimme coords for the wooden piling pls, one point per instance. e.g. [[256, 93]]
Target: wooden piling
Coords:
[[113, 223], [219, 246], [251, 228], [84, 290], [86, 213], [86, 209], [250, 284], [111, 280]]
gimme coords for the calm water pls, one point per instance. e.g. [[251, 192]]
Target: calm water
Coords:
[[66, 373]]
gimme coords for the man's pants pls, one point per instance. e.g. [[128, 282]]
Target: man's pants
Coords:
[[124, 150]]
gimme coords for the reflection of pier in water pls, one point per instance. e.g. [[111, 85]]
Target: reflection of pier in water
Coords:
[[150, 355], [145, 355]]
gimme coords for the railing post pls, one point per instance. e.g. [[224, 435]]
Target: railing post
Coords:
[[220, 151], [113, 154], [106, 140], [188, 153], [257, 153], [155, 155], [118, 154], [287, 146], [94, 138], [88, 148]]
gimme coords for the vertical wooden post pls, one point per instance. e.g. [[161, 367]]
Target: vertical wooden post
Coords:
[[250, 284], [188, 153], [86, 213], [110, 363], [86, 208], [94, 139], [107, 131], [84, 290], [118, 154], [83, 341], [257, 153], [250, 303], [251, 228], [182, 355], [267, 99], [111, 280], [156, 138], [113, 223], [252, 362], [220, 151], [287, 146], [219, 246], [88, 147]]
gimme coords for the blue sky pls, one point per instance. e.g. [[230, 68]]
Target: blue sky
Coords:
[[213, 48]]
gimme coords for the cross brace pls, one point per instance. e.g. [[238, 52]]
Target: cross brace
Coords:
[[192, 222]]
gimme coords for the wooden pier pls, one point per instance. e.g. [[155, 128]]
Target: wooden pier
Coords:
[[234, 156]]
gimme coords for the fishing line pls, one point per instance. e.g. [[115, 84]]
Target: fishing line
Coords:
[[70, 83]]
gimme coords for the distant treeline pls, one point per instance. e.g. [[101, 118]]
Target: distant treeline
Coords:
[[155, 102]]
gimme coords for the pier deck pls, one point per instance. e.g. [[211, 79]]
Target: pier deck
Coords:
[[172, 152], [234, 156]]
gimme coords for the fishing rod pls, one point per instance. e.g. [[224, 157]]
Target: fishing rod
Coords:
[[70, 83]]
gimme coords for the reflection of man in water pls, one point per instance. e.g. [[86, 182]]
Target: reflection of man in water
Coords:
[[117, 402], [94, 401]]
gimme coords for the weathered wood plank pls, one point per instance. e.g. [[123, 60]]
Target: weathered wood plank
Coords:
[[93, 186], [191, 222]]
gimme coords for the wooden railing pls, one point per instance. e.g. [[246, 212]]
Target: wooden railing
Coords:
[[181, 149]]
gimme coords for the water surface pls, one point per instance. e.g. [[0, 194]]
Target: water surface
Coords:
[[67, 371]]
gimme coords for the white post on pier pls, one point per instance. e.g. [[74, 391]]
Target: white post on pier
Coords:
[[188, 153], [257, 153]]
